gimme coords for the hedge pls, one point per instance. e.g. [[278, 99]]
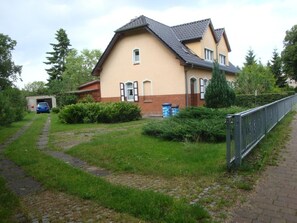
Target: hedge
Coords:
[[99, 112], [250, 100]]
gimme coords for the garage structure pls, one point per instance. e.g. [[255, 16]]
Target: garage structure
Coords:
[[32, 101]]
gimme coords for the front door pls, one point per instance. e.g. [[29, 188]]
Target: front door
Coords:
[[194, 101]]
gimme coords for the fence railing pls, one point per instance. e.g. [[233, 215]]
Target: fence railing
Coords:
[[246, 129]]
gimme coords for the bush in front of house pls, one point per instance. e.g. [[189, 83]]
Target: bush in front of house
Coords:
[[192, 124], [99, 113]]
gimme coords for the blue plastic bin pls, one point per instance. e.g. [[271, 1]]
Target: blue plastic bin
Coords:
[[175, 110], [166, 110]]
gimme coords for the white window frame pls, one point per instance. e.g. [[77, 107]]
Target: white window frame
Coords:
[[208, 54], [222, 59], [203, 85], [129, 90], [135, 58]]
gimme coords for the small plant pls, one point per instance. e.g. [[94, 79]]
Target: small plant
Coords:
[[55, 110], [87, 99]]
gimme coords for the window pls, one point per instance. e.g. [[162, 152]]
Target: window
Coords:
[[203, 85], [136, 56], [208, 54], [222, 59], [129, 91], [147, 90]]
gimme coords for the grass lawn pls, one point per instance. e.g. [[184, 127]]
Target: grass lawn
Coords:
[[7, 131], [122, 148], [126, 149], [9, 203], [55, 174]]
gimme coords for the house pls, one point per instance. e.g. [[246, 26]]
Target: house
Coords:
[[90, 88], [150, 63]]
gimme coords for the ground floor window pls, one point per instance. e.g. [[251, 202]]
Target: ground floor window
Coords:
[[129, 91]]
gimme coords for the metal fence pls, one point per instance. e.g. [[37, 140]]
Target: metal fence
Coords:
[[246, 129]]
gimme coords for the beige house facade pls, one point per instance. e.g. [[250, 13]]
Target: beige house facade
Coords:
[[150, 63]]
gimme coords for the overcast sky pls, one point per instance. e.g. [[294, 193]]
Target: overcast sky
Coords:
[[257, 24]]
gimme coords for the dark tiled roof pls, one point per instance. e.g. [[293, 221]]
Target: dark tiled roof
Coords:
[[172, 37], [191, 31], [219, 33]]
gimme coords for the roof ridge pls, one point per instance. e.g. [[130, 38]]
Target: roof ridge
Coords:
[[189, 23]]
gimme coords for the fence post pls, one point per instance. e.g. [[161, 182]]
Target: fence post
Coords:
[[228, 140], [237, 139]]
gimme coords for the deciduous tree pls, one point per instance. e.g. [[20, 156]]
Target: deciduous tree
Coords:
[[289, 54], [9, 71]]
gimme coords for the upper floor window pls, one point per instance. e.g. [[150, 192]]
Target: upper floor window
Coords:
[[136, 56], [208, 54], [222, 59]]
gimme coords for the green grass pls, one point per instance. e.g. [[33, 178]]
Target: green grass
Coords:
[[7, 131], [9, 203], [130, 151], [58, 175]]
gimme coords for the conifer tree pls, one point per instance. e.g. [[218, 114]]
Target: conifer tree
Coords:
[[276, 68], [57, 57], [218, 93], [250, 58]]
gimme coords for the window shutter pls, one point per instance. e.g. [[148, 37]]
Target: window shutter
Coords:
[[201, 89], [135, 89], [122, 91]]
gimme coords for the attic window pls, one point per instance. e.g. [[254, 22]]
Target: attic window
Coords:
[[208, 54], [222, 59], [136, 56]]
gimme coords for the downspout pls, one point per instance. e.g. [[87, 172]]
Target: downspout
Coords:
[[186, 84]]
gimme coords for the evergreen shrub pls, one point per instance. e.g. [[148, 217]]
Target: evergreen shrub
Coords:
[[218, 93], [192, 124]]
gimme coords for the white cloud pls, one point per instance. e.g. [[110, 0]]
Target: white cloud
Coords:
[[259, 25]]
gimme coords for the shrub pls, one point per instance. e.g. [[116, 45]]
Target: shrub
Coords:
[[55, 110], [192, 124], [87, 99], [218, 93], [12, 107], [99, 112], [250, 100]]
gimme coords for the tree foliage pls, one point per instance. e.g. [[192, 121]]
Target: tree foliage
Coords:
[[289, 54], [78, 67], [218, 93], [250, 58], [12, 106], [276, 68], [9, 71], [36, 88], [255, 78], [57, 57]]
